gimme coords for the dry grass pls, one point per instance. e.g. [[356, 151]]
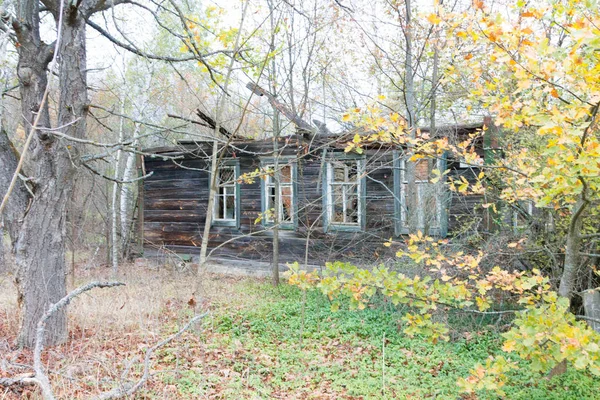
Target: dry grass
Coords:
[[110, 328]]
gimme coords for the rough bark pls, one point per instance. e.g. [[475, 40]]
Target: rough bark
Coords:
[[3, 262], [40, 246], [9, 158], [17, 202], [572, 252]]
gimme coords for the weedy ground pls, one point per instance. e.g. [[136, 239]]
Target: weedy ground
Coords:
[[258, 342]]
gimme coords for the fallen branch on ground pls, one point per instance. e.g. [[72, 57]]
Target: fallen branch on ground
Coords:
[[129, 389], [39, 377]]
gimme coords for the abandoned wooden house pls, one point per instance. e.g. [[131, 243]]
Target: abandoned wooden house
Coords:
[[332, 204]]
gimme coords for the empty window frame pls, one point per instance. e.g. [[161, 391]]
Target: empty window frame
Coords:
[[287, 200], [345, 194], [227, 197]]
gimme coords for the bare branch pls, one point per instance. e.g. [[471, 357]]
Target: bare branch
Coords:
[[128, 390], [590, 235], [212, 123], [343, 7], [586, 318], [24, 381], [40, 378], [302, 125], [150, 56], [100, 174], [189, 120]]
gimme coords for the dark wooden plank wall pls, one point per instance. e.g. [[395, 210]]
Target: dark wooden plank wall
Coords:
[[176, 198]]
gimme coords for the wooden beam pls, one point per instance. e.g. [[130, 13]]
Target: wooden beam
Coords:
[[304, 127], [211, 122]]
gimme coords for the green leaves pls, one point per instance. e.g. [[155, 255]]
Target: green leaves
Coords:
[[491, 377], [544, 333], [547, 334]]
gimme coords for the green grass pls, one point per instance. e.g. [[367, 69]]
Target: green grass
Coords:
[[266, 349]]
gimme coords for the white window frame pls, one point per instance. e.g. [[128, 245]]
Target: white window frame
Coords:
[[439, 225], [360, 194], [227, 186], [269, 183]]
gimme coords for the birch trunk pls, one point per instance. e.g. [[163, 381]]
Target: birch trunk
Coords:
[[127, 196], [115, 199]]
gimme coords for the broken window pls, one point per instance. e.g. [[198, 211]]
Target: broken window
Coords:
[[226, 201], [428, 212], [285, 196], [344, 196]]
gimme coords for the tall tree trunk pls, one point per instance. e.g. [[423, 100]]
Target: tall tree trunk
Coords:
[[273, 85], [215, 158], [572, 250], [40, 247], [127, 202], [435, 198], [211, 199], [3, 263], [8, 161], [410, 100], [276, 216], [114, 209]]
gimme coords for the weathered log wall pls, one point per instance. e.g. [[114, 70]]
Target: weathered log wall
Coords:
[[176, 199]]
